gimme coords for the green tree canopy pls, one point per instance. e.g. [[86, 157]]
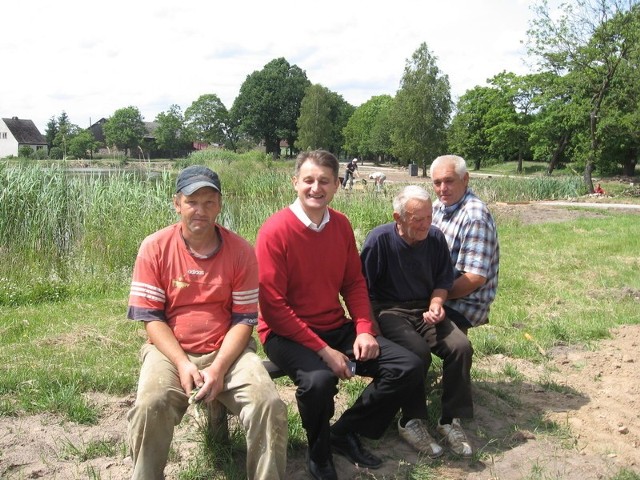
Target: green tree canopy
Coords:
[[172, 136], [421, 110], [125, 129], [468, 132], [268, 105], [367, 132], [314, 123], [82, 144], [210, 122], [51, 131], [559, 115], [589, 43], [511, 116], [323, 115]]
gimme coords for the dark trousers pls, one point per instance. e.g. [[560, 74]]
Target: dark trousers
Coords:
[[395, 373], [406, 327], [347, 176]]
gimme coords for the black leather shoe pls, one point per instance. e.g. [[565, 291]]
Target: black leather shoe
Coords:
[[322, 471], [350, 447]]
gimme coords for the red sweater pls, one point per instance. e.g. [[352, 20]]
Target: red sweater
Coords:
[[302, 273]]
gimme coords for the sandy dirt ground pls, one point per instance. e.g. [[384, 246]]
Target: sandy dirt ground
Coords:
[[597, 411], [594, 405]]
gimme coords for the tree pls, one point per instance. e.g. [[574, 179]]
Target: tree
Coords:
[[620, 124], [51, 131], [65, 130], [421, 110], [467, 135], [367, 133], [588, 42], [59, 134], [380, 136], [82, 144], [172, 135], [323, 115], [511, 114], [25, 151], [559, 115], [268, 104], [210, 122], [314, 122], [125, 129]]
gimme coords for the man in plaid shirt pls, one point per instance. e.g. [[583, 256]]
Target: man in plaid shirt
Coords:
[[472, 237]]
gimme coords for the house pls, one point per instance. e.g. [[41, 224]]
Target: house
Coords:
[[16, 133], [147, 147], [98, 132]]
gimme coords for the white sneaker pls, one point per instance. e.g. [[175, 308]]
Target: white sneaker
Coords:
[[454, 437], [415, 433]]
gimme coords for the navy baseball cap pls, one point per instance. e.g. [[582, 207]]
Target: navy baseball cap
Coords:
[[195, 177]]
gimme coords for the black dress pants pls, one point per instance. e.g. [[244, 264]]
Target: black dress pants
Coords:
[[394, 373], [406, 327]]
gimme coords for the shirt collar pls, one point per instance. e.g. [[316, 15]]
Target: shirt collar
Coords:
[[298, 211], [448, 211]]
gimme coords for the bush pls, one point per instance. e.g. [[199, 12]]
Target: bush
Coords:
[[40, 154], [56, 153], [25, 151]]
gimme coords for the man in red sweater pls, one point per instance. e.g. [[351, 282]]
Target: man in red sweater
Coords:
[[307, 260]]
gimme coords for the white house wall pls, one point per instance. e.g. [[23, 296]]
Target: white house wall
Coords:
[[8, 143]]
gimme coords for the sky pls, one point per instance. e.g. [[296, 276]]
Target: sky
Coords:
[[90, 59]]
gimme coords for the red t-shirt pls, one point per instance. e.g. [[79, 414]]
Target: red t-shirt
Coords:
[[199, 298]]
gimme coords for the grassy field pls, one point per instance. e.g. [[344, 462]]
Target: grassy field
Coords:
[[68, 245]]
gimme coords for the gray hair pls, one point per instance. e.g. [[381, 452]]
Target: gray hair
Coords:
[[459, 165], [410, 192]]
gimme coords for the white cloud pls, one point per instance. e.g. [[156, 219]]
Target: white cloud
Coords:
[[91, 59]]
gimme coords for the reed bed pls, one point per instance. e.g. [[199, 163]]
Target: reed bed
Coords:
[[64, 234]]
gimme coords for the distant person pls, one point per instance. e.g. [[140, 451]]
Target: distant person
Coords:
[[472, 237], [379, 178], [408, 270], [350, 172], [195, 288], [599, 190], [308, 260]]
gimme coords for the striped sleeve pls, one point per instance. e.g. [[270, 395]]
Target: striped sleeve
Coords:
[[246, 297]]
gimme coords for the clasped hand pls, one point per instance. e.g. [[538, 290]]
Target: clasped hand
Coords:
[[204, 383], [435, 314]]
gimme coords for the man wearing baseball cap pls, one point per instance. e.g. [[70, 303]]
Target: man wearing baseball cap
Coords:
[[350, 172], [195, 288]]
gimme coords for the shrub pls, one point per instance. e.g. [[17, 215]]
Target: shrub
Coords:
[[25, 151], [56, 153]]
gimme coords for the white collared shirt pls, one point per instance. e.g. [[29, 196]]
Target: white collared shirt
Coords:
[[298, 211]]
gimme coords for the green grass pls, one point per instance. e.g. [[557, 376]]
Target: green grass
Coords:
[[53, 353], [626, 474], [557, 285], [93, 449]]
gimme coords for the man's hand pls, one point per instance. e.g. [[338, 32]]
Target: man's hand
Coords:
[[434, 315], [189, 376], [365, 347], [337, 361], [212, 386]]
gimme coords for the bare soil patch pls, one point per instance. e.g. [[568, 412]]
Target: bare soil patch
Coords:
[[573, 416]]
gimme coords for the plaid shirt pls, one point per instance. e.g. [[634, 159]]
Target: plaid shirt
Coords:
[[473, 241]]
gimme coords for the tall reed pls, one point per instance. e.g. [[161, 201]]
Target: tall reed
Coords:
[[64, 234]]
